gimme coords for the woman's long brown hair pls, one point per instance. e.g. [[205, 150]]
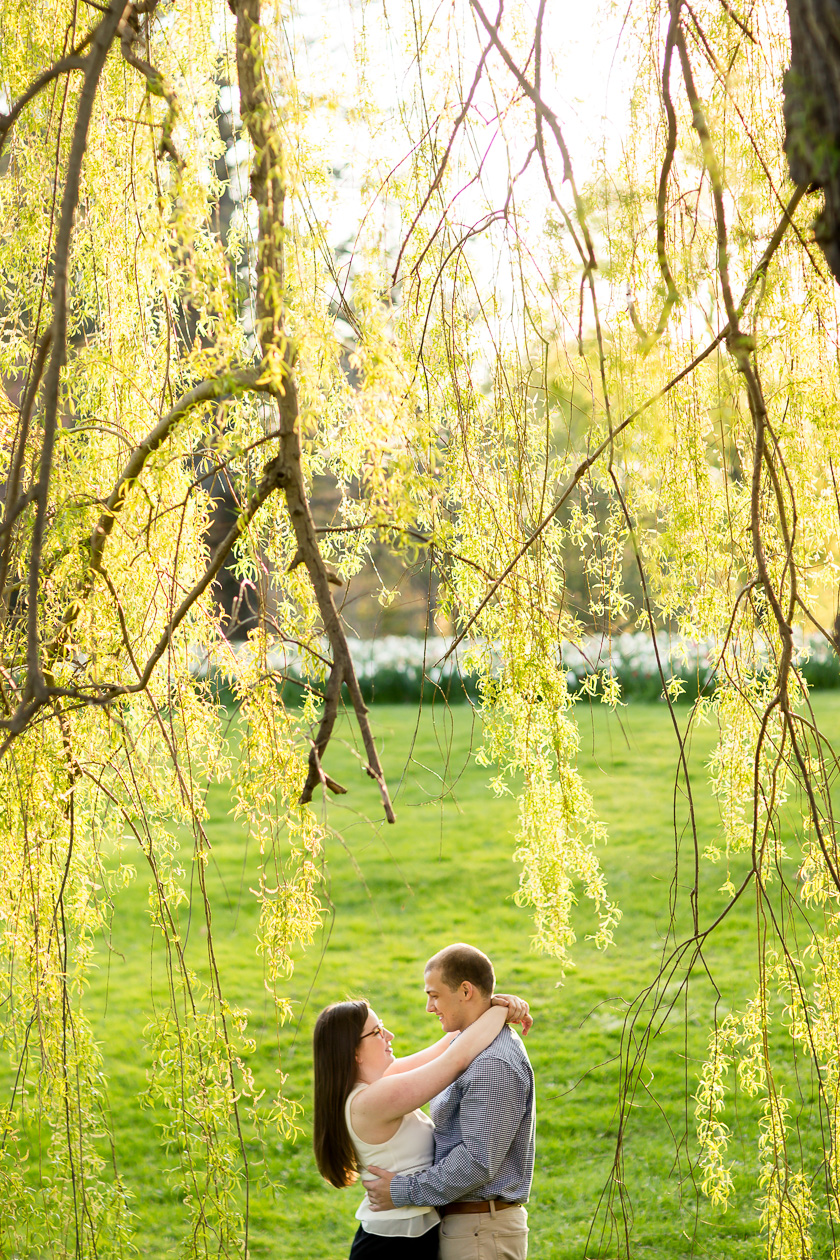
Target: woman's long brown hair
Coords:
[[337, 1033]]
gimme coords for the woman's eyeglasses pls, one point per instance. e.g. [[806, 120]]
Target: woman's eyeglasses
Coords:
[[378, 1031]]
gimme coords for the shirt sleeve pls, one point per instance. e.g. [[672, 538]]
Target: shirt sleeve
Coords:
[[491, 1111]]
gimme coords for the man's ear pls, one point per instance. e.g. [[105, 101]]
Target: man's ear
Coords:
[[466, 990]]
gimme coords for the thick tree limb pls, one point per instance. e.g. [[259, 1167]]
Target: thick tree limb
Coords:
[[268, 191], [316, 774]]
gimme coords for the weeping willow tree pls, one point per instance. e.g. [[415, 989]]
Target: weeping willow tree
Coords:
[[502, 346]]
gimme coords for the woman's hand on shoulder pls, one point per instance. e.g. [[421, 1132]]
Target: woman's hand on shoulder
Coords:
[[518, 1010]]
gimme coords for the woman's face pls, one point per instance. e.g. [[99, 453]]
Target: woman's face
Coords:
[[374, 1053]]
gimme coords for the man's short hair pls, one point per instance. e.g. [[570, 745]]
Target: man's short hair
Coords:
[[460, 962]]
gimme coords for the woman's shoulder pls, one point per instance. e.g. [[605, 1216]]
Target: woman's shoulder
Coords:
[[352, 1096]]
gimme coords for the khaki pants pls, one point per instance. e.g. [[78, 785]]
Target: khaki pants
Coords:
[[485, 1235]]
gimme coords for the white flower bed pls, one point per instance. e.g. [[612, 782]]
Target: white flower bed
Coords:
[[634, 655], [402, 655], [392, 653]]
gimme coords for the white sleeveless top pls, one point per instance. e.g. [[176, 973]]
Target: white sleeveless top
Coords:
[[411, 1149]]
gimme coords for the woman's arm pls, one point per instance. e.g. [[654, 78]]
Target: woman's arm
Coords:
[[518, 1011], [517, 1014], [411, 1061], [395, 1095]]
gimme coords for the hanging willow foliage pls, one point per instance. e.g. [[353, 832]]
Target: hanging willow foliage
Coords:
[[511, 370]]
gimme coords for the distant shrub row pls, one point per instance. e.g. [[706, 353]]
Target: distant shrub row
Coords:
[[392, 669], [400, 670], [638, 665]]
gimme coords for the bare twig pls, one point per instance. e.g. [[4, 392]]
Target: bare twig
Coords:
[[442, 165]]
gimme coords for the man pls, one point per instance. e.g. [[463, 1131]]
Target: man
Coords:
[[484, 1126]]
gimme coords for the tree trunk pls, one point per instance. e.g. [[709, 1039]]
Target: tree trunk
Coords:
[[812, 113]]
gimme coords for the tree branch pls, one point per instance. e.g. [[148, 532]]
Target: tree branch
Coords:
[[671, 293], [73, 61], [216, 387], [315, 774], [716, 179], [576, 476], [268, 191], [11, 501], [94, 64], [272, 478], [447, 152], [157, 87]]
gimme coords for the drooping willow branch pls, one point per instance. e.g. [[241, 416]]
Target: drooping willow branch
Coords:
[[649, 339], [586, 248], [584, 466], [781, 745]]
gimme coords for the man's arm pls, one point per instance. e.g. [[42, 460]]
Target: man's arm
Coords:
[[491, 1112]]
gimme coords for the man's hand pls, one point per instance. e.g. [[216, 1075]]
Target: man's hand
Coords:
[[518, 1012], [379, 1191]]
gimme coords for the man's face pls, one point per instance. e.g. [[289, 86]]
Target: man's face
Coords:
[[448, 1004]]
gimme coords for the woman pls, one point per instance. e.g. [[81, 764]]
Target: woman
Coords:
[[366, 1112]]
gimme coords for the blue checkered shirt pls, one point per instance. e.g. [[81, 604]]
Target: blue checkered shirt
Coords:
[[484, 1133]]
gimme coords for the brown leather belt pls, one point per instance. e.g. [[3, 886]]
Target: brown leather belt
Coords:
[[483, 1206]]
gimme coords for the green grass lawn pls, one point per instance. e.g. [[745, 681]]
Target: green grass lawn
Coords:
[[445, 873]]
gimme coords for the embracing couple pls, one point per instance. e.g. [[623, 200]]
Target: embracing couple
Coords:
[[453, 1186]]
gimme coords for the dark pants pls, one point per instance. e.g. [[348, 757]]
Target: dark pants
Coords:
[[377, 1247]]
